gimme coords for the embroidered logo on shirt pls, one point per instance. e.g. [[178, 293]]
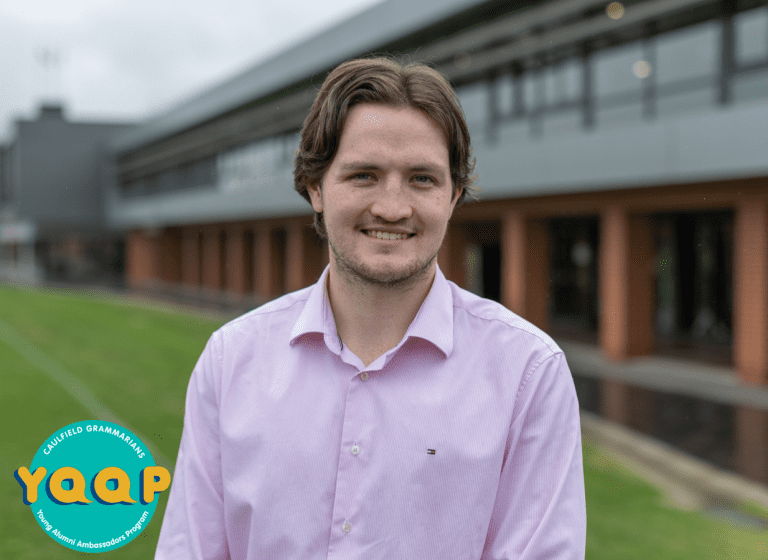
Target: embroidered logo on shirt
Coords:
[[430, 451]]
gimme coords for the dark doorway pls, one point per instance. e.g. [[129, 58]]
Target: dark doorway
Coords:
[[694, 285], [483, 259], [573, 277]]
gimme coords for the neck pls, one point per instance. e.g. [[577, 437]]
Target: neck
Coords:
[[370, 318]]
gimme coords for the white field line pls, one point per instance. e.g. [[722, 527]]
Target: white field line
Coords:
[[74, 387]]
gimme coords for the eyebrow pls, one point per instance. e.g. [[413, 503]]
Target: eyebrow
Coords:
[[420, 168]]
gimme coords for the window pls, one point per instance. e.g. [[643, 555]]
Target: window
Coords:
[[573, 276], [694, 295], [751, 29]]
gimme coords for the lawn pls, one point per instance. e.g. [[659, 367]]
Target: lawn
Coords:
[[137, 361]]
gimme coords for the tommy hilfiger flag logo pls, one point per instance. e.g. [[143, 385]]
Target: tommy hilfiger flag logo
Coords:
[[430, 451]]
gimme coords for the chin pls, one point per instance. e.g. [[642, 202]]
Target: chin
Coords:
[[385, 275]]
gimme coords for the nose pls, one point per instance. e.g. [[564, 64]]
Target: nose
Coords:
[[391, 202]]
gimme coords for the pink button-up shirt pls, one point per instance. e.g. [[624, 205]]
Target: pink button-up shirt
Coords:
[[462, 442]]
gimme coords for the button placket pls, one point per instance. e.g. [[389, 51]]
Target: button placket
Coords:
[[352, 462]]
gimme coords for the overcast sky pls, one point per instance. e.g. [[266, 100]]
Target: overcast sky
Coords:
[[127, 59]]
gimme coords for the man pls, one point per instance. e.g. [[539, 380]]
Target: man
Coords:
[[383, 412]]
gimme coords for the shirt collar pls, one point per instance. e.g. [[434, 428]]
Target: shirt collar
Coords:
[[433, 322]]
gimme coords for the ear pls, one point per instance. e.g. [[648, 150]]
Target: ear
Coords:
[[316, 196], [455, 198]]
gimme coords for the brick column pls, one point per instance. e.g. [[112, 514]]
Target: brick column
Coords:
[[170, 256], [750, 298], [315, 254], [262, 262], [456, 271], [142, 259], [627, 302], [294, 256], [525, 267], [612, 283], [237, 264], [750, 331], [190, 257], [626, 284], [132, 258], [213, 277]]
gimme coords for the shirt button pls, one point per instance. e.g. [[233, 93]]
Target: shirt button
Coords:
[[347, 527], [364, 375], [355, 450]]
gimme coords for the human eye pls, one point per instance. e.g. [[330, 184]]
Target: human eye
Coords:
[[424, 180], [362, 176]]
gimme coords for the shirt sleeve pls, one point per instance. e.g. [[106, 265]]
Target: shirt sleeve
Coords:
[[193, 526], [540, 509]]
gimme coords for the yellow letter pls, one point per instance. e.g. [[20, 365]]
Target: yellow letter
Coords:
[[74, 496], [29, 482], [119, 494], [150, 486]]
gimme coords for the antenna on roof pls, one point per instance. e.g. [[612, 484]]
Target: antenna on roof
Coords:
[[49, 60]]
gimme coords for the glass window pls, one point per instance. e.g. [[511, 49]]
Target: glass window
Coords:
[[254, 165], [686, 101], [289, 144], [554, 85], [204, 172], [531, 96], [3, 193], [514, 131], [167, 181], [573, 276], [630, 112], [689, 53], [563, 82], [751, 35], [504, 94], [473, 262], [563, 122], [482, 259], [751, 85], [614, 70], [474, 101], [694, 269]]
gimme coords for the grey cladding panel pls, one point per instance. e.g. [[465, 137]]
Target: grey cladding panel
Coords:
[[58, 181]]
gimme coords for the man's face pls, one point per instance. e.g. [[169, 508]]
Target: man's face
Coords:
[[387, 196]]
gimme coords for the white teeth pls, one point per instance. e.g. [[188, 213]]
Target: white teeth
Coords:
[[386, 235]]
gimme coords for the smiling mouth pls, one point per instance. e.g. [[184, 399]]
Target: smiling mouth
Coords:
[[386, 235]]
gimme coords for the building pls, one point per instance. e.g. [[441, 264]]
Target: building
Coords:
[[621, 152], [52, 213]]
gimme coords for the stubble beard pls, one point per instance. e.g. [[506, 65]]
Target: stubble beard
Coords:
[[361, 274]]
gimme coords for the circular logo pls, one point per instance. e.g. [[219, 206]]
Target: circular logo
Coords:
[[93, 486]]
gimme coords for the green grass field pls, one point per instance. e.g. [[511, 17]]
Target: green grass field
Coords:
[[138, 360]]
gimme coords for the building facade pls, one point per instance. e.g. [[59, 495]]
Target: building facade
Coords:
[[52, 212], [621, 153]]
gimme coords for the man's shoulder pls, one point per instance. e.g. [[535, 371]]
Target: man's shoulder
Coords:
[[488, 318], [280, 311]]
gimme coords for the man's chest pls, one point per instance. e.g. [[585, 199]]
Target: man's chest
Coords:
[[390, 452]]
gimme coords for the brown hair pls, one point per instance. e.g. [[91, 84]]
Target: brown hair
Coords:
[[388, 82]]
